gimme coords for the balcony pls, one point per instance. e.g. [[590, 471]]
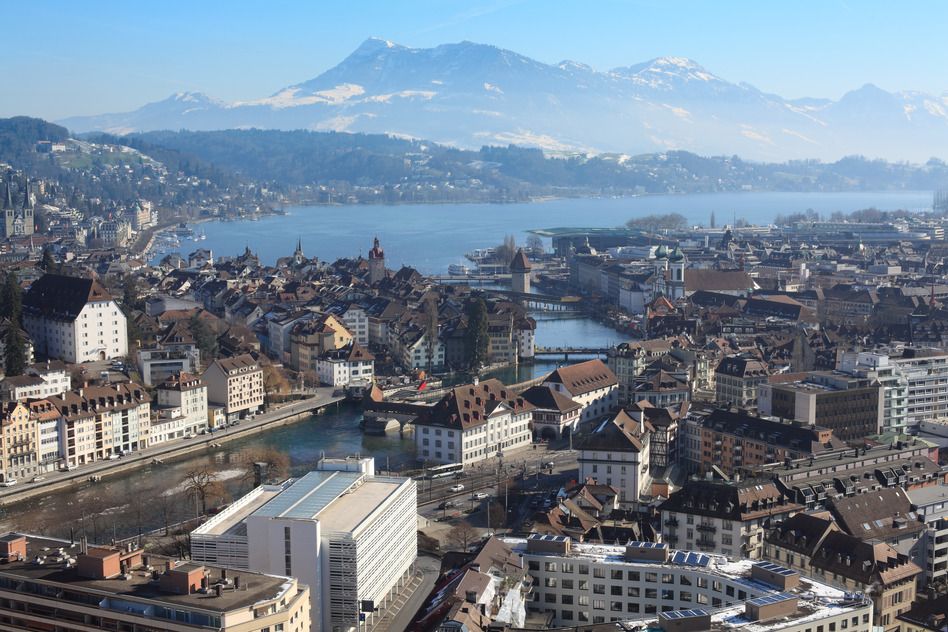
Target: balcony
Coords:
[[708, 528], [704, 543], [671, 522]]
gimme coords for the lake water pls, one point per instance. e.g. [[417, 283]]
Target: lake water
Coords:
[[430, 237]]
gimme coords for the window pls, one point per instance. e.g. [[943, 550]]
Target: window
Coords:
[[616, 575], [615, 591], [633, 591]]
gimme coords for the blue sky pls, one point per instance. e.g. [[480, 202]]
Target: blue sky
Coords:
[[69, 58]]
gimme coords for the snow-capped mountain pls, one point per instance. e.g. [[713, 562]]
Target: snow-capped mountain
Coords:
[[470, 94]]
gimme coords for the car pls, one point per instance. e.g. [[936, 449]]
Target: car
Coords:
[[66, 468], [448, 504], [114, 457], [549, 465], [38, 479], [9, 482], [480, 495], [457, 488]]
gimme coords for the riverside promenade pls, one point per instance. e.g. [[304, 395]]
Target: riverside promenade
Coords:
[[289, 413]]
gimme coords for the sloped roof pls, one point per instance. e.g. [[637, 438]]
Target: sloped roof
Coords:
[[520, 263], [548, 399], [584, 377], [468, 406], [619, 433], [717, 280], [62, 297]]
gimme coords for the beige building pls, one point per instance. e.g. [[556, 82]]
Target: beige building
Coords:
[[312, 338], [736, 380], [182, 408], [591, 384], [19, 443], [236, 384], [817, 548], [77, 587], [97, 422]]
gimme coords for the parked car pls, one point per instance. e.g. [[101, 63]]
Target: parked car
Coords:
[[448, 504], [480, 495], [114, 457], [457, 488], [38, 479], [550, 465], [9, 482]]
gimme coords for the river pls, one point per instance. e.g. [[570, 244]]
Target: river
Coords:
[[430, 237]]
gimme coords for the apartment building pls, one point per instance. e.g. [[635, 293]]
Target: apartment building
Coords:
[[629, 359], [38, 381], [472, 423], [351, 366], [236, 384], [47, 421], [96, 422], [181, 410], [930, 552], [616, 453], [656, 587], [74, 320], [591, 384], [852, 407], [315, 337], [817, 549], [736, 380], [80, 587], [879, 368], [727, 518], [347, 534], [737, 441], [19, 443]]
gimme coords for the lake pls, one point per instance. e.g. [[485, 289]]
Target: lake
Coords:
[[430, 237]]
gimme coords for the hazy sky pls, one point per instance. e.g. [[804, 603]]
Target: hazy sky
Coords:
[[65, 58]]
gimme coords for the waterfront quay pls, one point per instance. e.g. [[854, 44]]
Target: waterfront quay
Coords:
[[61, 480]]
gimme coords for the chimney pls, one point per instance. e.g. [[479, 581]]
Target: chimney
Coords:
[[476, 380], [218, 590]]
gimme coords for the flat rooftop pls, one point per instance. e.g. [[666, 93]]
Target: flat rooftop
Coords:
[[358, 505], [255, 587], [231, 520]]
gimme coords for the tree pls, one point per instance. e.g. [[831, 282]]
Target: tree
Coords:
[[476, 337], [535, 244], [205, 338], [462, 535], [11, 299], [713, 222], [431, 328], [505, 251], [274, 464], [48, 263], [131, 297], [14, 351], [202, 486]]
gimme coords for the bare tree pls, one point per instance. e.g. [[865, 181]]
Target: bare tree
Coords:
[[202, 486], [534, 244], [274, 463], [462, 535]]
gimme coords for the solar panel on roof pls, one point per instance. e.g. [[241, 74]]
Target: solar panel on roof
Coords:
[[683, 614], [679, 557], [771, 599]]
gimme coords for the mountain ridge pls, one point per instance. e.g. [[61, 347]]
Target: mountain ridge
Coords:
[[469, 94]]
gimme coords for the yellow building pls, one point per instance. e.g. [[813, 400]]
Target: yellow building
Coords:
[[19, 443]]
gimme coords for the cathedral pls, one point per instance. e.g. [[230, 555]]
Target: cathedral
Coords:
[[17, 220]]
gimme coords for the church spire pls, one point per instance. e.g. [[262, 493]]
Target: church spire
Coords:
[[27, 200], [8, 198]]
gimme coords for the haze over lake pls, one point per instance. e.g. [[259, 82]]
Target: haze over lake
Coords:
[[430, 237]]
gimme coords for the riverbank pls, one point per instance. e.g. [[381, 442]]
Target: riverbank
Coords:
[[58, 481]]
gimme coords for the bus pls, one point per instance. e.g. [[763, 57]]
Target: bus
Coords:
[[449, 469]]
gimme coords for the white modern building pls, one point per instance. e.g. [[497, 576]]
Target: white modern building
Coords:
[[346, 533], [641, 582], [74, 319], [472, 423], [894, 395]]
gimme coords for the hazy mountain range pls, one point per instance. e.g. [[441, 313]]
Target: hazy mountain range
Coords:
[[469, 95]]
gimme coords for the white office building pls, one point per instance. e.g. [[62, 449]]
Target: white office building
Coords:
[[346, 533], [647, 583]]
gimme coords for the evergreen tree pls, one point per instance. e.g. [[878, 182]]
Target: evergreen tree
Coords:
[[476, 338], [48, 264], [14, 351], [205, 339], [11, 299]]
